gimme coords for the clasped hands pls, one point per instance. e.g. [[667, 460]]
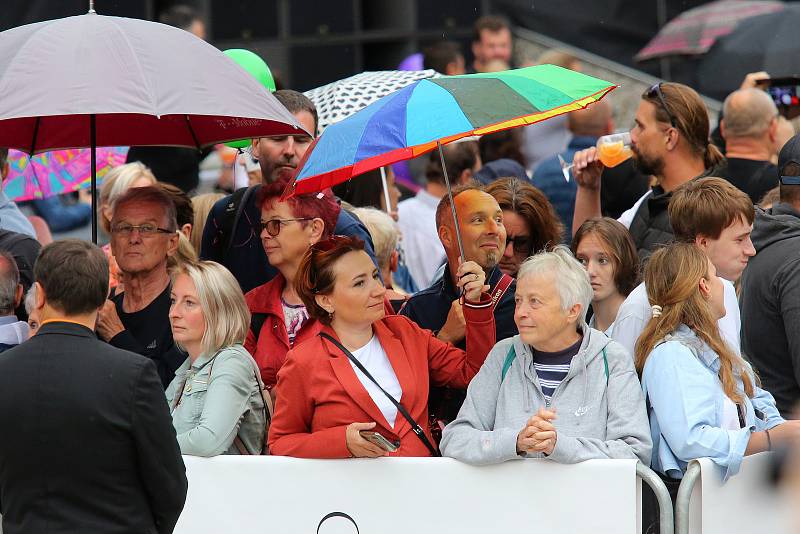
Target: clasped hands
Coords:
[[539, 433]]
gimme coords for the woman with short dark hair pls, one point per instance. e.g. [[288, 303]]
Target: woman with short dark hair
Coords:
[[360, 388]]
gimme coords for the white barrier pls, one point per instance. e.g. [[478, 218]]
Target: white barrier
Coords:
[[745, 503], [278, 495]]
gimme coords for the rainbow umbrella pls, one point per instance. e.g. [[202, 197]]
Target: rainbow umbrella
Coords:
[[431, 112], [57, 172]]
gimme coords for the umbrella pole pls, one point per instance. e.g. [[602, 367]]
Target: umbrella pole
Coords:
[[452, 203], [93, 135], [386, 191]]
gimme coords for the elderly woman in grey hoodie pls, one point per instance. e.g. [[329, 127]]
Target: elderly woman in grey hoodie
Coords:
[[559, 389]]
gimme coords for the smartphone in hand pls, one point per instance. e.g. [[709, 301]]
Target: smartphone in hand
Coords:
[[377, 439]]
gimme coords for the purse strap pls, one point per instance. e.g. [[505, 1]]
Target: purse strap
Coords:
[[414, 425]]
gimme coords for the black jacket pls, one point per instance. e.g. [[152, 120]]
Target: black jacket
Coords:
[[87, 443], [770, 304]]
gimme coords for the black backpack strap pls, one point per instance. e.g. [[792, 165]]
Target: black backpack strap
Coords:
[[414, 425], [233, 214]]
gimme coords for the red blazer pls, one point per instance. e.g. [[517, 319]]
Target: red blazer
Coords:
[[319, 394], [273, 340]]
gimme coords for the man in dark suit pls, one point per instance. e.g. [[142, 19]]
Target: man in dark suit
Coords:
[[87, 438]]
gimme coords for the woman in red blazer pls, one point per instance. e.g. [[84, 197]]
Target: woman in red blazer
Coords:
[[324, 405], [288, 227]]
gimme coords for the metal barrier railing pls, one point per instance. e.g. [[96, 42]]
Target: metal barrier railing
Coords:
[[666, 518], [690, 478]]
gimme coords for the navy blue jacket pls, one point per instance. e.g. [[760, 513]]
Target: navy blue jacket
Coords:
[[429, 307], [246, 258]]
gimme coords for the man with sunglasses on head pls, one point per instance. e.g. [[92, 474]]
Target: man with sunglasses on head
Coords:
[[670, 141], [231, 236], [144, 234]]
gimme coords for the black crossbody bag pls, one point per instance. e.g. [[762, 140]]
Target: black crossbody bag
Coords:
[[414, 425]]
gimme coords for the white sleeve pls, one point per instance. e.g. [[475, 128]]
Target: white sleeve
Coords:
[[627, 218], [730, 326], [631, 319]]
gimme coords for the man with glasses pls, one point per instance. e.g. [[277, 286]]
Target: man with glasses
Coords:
[[143, 236], [670, 141], [230, 236], [438, 308]]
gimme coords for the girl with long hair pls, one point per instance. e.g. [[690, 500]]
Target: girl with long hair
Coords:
[[703, 398], [607, 252]]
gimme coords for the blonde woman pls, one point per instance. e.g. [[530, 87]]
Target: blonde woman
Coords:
[[704, 400], [202, 205], [215, 397]]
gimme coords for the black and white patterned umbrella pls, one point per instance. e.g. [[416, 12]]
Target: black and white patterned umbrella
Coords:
[[338, 100]]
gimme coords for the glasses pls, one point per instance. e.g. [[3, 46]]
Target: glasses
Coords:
[[145, 230], [273, 226], [656, 91], [521, 243]]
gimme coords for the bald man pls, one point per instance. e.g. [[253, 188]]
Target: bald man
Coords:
[[437, 308], [751, 129], [622, 185]]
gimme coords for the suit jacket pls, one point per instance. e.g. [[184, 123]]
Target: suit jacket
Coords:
[[319, 394], [87, 443]]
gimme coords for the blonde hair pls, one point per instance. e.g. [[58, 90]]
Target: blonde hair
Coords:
[[384, 232], [222, 301], [116, 183], [202, 205], [671, 277], [185, 253]]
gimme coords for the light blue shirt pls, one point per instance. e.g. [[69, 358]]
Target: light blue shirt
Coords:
[[12, 218], [215, 399], [681, 382]]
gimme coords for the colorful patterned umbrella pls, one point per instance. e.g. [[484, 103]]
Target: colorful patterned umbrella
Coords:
[[695, 30], [418, 117], [57, 172]]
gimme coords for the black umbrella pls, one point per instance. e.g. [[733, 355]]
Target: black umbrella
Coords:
[[767, 42]]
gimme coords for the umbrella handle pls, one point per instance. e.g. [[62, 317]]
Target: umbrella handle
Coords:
[[452, 203], [386, 191]]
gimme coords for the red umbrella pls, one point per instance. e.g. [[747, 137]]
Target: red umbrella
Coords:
[[91, 80], [694, 31]]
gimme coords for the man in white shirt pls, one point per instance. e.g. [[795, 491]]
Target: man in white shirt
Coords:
[[424, 253], [718, 218]]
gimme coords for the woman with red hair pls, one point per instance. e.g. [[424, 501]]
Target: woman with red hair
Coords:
[[278, 317]]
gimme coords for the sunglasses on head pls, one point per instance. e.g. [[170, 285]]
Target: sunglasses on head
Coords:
[[655, 90]]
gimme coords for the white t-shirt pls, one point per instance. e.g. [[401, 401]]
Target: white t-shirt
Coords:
[[635, 312], [374, 359], [424, 252], [627, 217]]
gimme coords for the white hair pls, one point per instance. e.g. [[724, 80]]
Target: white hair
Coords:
[[571, 278], [384, 231]]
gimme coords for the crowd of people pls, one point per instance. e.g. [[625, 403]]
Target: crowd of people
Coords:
[[646, 311]]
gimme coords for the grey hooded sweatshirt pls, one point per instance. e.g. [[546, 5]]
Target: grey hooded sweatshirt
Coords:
[[770, 304], [594, 419]]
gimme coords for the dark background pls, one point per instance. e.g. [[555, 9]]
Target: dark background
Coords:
[[313, 42]]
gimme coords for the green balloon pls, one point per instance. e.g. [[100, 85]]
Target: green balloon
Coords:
[[256, 66]]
